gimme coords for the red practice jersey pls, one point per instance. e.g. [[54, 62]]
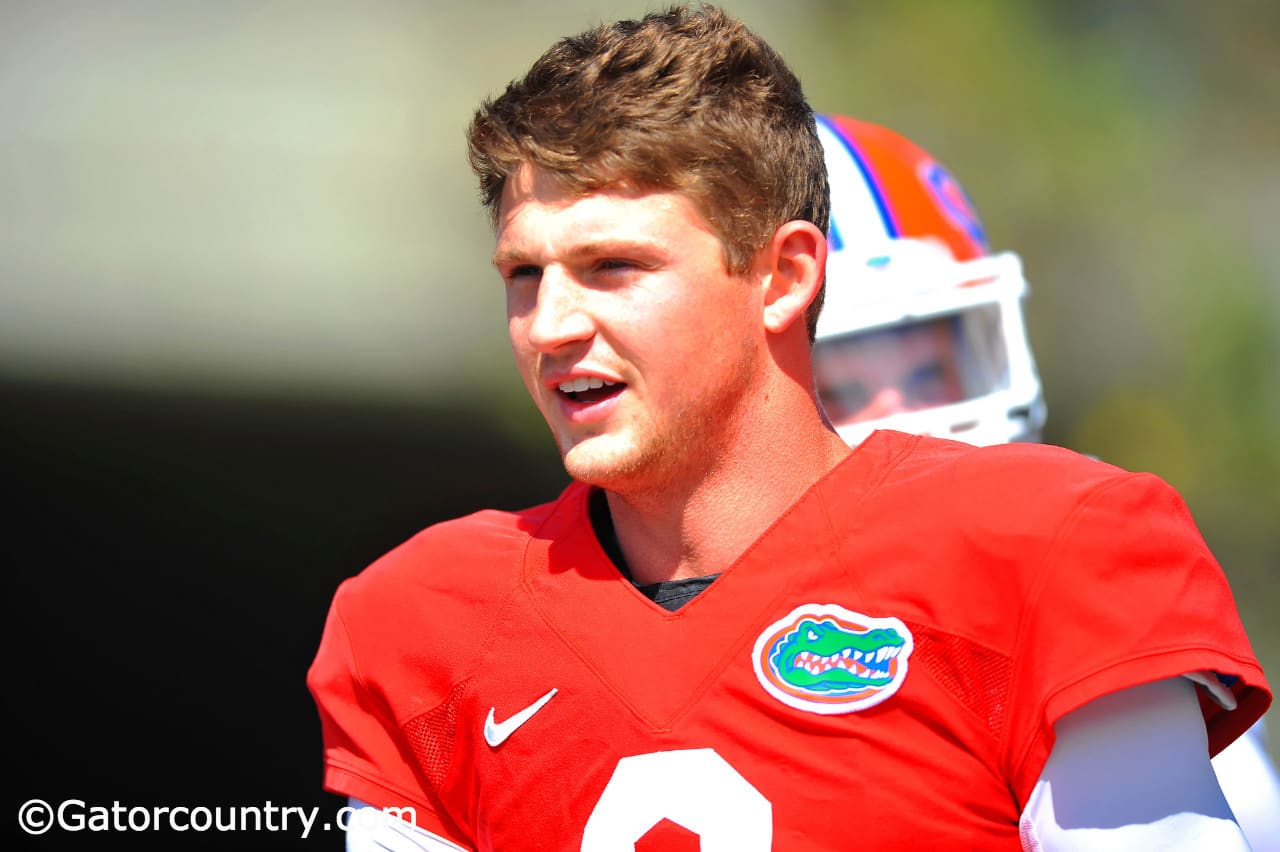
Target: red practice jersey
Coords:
[[881, 669]]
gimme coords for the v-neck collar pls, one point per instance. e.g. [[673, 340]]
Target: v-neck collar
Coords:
[[658, 662], [668, 594]]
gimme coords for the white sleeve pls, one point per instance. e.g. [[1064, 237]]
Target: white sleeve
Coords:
[[1252, 786], [1130, 770], [369, 830]]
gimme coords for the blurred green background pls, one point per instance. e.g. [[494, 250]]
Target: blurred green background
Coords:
[[267, 204]]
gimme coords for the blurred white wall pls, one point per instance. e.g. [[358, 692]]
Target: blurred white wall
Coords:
[[255, 195]]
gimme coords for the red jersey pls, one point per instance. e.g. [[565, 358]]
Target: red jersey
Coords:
[[881, 669]]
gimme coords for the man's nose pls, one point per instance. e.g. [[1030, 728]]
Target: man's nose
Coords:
[[560, 314]]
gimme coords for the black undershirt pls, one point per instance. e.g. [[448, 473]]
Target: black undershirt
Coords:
[[670, 594]]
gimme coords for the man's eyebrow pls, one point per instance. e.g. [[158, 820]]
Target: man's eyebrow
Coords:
[[595, 248], [502, 258]]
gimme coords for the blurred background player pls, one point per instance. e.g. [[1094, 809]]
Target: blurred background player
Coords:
[[922, 331]]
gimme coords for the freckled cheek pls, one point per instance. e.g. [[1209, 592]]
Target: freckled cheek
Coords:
[[690, 329], [518, 321], [520, 301], [524, 354]]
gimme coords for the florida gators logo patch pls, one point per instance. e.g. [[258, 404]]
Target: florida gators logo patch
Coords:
[[823, 658]]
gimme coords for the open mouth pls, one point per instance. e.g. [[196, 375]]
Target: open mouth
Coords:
[[587, 390]]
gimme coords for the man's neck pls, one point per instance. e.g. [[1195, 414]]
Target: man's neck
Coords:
[[703, 529]]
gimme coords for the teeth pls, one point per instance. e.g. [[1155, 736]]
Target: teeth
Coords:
[[582, 383]]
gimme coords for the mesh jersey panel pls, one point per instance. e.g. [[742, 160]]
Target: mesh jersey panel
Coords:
[[430, 735], [976, 675]]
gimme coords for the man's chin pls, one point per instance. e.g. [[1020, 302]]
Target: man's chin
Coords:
[[594, 462]]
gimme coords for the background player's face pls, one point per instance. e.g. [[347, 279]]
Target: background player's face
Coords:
[[889, 371], [635, 342]]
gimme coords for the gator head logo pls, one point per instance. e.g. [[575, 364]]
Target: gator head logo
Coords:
[[823, 658]]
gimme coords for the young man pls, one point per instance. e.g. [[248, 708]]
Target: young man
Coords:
[[733, 630], [923, 332]]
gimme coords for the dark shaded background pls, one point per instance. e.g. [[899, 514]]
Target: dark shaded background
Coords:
[[172, 560]]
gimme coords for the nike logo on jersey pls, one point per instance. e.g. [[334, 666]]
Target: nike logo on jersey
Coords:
[[496, 733]]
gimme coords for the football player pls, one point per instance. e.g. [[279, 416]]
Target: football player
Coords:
[[732, 629], [923, 331]]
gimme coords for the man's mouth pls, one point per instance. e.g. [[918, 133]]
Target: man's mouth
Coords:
[[589, 389]]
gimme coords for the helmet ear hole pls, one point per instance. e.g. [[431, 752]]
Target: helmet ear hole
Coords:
[[917, 309]]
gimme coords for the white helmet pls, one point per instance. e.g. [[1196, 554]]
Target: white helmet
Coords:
[[922, 328]]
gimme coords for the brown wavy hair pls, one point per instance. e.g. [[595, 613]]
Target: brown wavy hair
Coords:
[[686, 99]]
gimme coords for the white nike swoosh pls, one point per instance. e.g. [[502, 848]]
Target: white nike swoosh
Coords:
[[496, 733]]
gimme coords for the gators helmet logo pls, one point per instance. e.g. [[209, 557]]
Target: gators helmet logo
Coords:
[[823, 658]]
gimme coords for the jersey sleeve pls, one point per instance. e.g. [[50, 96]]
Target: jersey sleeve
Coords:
[[1129, 593], [365, 755]]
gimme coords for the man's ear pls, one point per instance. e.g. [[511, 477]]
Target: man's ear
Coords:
[[795, 263]]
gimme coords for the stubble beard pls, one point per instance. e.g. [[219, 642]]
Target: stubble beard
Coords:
[[619, 462], [662, 462]]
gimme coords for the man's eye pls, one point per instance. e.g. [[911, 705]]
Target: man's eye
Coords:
[[527, 270], [927, 385], [614, 263]]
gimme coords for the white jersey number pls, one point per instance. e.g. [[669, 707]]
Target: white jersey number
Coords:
[[694, 788]]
